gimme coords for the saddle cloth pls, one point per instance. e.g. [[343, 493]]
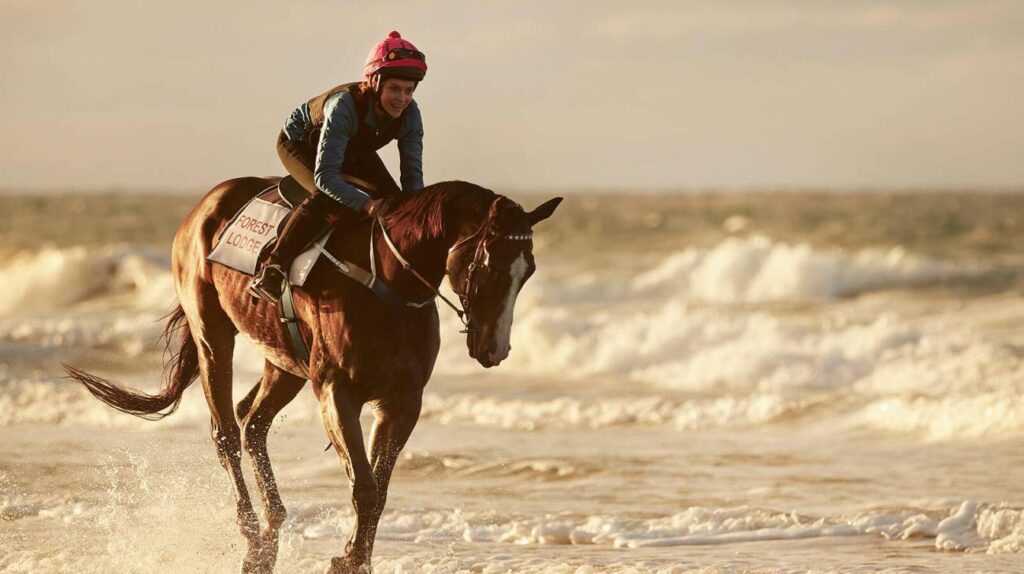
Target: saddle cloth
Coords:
[[257, 224]]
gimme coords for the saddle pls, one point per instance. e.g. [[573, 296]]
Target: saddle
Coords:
[[252, 231], [292, 192], [254, 228]]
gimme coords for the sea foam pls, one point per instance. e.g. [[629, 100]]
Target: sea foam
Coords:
[[971, 526], [893, 372], [55, 278], [758, 269]]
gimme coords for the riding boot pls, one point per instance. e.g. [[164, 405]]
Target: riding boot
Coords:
[[305, 224]]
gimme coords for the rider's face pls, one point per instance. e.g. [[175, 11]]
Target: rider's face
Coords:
[[395, 95]]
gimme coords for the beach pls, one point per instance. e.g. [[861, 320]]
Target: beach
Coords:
[[699, 382]]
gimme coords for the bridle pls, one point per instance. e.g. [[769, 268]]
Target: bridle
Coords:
[[467, 288], [480, 263]]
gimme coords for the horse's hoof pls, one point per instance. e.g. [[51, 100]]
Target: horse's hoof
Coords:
[[344, 565], [256, 562], [257, 567], [253, 568]]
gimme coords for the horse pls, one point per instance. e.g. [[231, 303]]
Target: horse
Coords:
[[362, 349]]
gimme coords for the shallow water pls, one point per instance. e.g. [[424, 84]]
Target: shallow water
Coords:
[[766, 383]]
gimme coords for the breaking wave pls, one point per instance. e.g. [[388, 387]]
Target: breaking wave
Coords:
[[758, 269], [58, 278], [703, 365], [755, 269]]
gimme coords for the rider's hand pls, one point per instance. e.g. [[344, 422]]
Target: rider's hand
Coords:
[[375, 207]]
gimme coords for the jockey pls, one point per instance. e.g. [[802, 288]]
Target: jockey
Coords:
[[329, 145]]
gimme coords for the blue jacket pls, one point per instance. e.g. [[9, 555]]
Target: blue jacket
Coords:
[[341, 123]]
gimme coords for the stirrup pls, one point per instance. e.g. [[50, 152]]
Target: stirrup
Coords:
[[269, 284]]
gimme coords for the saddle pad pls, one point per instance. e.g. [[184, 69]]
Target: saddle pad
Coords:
[[240, 244]]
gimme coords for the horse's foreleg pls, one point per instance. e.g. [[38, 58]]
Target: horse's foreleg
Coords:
[[277, 388], [341, 417], [392, 427]]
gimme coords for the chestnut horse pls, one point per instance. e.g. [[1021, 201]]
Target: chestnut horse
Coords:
[[362, 349]]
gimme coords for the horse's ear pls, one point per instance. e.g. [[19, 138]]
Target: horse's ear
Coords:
[[543, 211]]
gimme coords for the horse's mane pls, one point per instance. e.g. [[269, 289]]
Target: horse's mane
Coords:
[[421, 216]]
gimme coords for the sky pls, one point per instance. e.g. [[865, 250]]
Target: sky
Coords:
[[527, 95]]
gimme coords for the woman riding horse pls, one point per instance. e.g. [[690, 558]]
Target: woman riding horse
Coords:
[[363, 349], [330, 143]]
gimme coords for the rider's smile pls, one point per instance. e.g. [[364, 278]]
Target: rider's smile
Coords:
[[395, 95]]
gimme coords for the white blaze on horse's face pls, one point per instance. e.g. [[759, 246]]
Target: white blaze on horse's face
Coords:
[[503, 328], [493, 274], [503, 269]]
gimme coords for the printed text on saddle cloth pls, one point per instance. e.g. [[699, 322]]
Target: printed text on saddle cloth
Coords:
[[250, 234], [244, 238]]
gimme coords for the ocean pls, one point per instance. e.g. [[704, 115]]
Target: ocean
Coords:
[[715, 383]]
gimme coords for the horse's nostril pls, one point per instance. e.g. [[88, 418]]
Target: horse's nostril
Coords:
[[498, 356]]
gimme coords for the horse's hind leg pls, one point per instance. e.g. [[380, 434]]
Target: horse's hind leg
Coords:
[[215, 337], [245, 405], [276, 389]]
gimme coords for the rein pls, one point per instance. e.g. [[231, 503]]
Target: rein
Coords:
[[373, 282], [475, 265], [462, 313]]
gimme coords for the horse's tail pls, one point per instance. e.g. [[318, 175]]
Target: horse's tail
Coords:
[[180, 371]]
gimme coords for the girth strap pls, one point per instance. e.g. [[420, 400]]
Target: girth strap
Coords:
[[371, 282], [366, 278], [286, 306], [291, 324]]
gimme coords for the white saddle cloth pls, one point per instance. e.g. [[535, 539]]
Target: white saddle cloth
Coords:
[[254, 226]]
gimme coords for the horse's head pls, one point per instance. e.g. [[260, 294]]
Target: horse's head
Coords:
[[488, 269]]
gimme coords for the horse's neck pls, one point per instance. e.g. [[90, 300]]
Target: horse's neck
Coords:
[[426, 251], [427, 255]]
